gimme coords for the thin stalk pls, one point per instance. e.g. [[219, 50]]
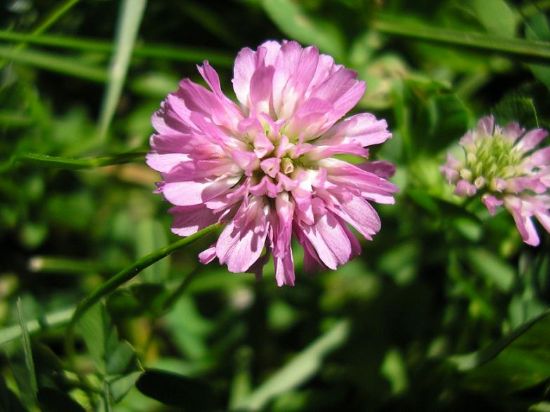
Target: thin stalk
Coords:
[[156, 50], [49, 21], [74, 163], [50, 264], [49, 321], [130, 15], [54, 16], [60, 64], [122, 277], [533, 49]]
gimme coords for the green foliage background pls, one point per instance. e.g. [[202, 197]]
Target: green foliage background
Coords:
[[446, 309]]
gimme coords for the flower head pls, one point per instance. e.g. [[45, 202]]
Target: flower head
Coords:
[[504, 164], [265, 166]]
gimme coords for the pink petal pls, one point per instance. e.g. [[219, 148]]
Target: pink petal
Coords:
[[363, 129], [245, 65], [523, 221], [486, 125], [330, 241], [531, 139], [360, 214], [295, 69], [187, 193], [190, 219], [465, 188], [539, 158], [208, 255], [380, 168], [491, 203], [240, 247], [260, 89], [284, 269]]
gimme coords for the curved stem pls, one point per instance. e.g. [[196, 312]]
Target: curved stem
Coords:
[[82, 163], [531, 49], [122, 277]]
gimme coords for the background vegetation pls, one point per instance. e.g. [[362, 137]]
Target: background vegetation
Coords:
[[445, 310]]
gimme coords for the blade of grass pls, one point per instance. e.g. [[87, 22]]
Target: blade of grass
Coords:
[[54, 16], [298, 370], [161, 51], [49, 321], [51, 264], [130, 15], [12, 119], [124, 276], [26, 341], [536, 50], [49, 21], [65, 65], [70, 163]]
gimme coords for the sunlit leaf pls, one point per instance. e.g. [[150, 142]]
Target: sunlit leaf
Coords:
[[151, 235], [486, 10], [299, 369], [8, 400], [293, 21], [516, 362]]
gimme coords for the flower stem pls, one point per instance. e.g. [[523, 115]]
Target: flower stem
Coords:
[[122, 277], [75, 163], [538, 50]]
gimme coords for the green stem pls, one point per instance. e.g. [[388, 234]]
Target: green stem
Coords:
[[65, 65], [161, 51], [49, 21], [533, 49], [54, 16], [71, 163], [182, 287], [62, 265], [122, 277], [130, 16], [49, 321]]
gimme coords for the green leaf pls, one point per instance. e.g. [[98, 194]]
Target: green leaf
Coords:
[[189, 328], [130, 15], [151, 235], [292, 20], [83, 163], [177, 390], [123, 276], [493, 268], [49, 368], [406, 27], [49, 321], [98, 334], [120, 386], [486, 10], [516, 362], [448, 120], [538, 28], [115, 360], [53, 400], [150, 50], [137, 300], [298, 370], [23, 369], [111, 356], [8, 400], [56, 63], [516, 107]]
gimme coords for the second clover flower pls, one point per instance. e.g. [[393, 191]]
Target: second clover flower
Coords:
[[266, 166], [506, 167]]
